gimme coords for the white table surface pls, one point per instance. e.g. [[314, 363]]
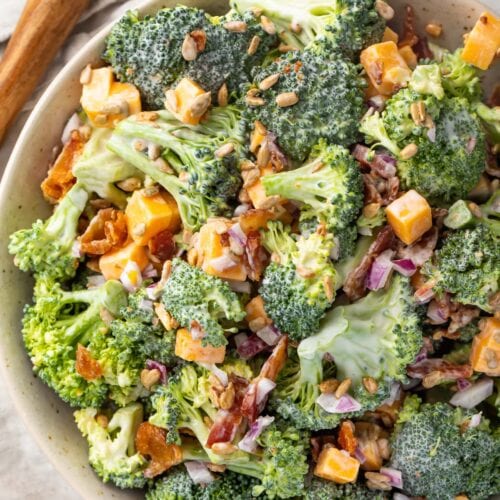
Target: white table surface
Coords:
[[25, 473]]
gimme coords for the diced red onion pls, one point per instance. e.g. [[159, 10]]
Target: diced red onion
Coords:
[[150, 272], [380, 271], [198, 472], [424, 295], [475, 420], [431, 134], [237, 234], [240, 286], [475, 394], [251, 346], [130, 284], [400, 496], [220, 374], [436, 313], [269, 335], [146, 305], [249, 441], [394, 393], [422, 354], [344, 404], [153, 291], [264, 387], [406, 267], [196, 332], [95, 280], [76, 250], [74, 123], [359, 455], [222, 263], [241, 209], [395, 476], [471, 144], [463, 383], [240, 338], [377, 102], [151, 364]]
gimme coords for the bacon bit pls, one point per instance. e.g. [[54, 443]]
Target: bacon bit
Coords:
[[409, 36], [383, 165], [380, 190], [287, 69], [108, 229], [354, 286], [434, 371], [150, 441], [424, 293], [86, 366], [162, 246], [278, 159], [297, 66], [420, 251], [347, 440], [60, 177], [200, 39], [224, 427], [422, 49], [461, 316], [254, 257]]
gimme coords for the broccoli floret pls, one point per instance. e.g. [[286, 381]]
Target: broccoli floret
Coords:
[[330, 188], [148, 52], [112, 450], [205, 185], [229, 486], [377, 336], [491, 121], [59, 321], [98, 169], [426, 80], [450, 144], [46, 248], [366, 223], [194, 297], [175, 485], [459, 78], [347, 26], [319, 489], [299, 288], [184, 404], [467, 265], [330, 101], [441, 457]]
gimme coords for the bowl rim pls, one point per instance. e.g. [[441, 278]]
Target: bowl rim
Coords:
[[75, 63]]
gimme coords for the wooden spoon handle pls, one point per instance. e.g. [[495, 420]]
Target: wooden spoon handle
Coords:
[[42, 29]]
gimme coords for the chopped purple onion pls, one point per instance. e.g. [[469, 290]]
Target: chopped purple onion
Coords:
[[146, 305], [463, 384], [400, 496], [241, 209], [222, 263], [239, 286], [198, 472], [380, 271], [395, 476], [377, 102], [150, 272], [95, 280], [251, 347], [153, 291], [76, 250], [269, 335], [264, 387], [359, 455], [249, 441], [344, 404], [473, 395], [237, 234], [220, 374], [240, 338], [394, 393], [406, 267], [436, 313], [151, 364], [475, 420]]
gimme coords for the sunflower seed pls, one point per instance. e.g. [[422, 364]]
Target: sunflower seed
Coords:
[[269, 81], [254, 45], [189, 50], [171, 101], [287, 99], [222, 95], [236, 26], [200, 104], [86, 75], [224, 150], [384, 9], [408, 151], [267, 25]]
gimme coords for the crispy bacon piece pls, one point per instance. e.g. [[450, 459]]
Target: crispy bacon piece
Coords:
[[60, 177], [434, 371], [224, 428], [254, 256], [461, 316], [354, 286], [347, 440], [162, 246], [422, 49], [380, 190], [107, 230], [279, 160], [382, 164], [275, 363], [150, 441], [409, 36], [420, 251], [86, 365]]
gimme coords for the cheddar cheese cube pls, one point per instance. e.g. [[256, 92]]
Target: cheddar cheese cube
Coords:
[[409, 56], [191, 349], [113, 263], [409, 216], [182, 102], [390, 35], [485, 353], [336, 465], [483, 41]]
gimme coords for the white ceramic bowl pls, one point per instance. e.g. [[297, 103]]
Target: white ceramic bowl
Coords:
[[49, 419]]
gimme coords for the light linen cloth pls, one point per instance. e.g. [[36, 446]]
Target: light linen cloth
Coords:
[[25, 473]]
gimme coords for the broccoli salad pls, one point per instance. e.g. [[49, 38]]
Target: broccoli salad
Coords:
[[272, 267]]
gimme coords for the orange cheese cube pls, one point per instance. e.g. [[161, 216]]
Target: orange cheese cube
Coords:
[[385, 66], [485, 353], [210, 247], [113, 263], [105, 101], [191, 350], [409, 56], [184, 95], [255, 310], [257, 192], [390, 36], [149, 215], [338, 466], [410, 216], [257, 137], [483, 41]]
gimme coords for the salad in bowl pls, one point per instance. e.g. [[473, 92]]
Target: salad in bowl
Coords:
[[273, 260]]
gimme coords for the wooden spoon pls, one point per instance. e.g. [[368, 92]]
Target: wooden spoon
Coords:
[[41, 30]]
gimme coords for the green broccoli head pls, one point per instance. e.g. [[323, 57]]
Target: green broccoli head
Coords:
[[377, 337], [347, 26], [329, 106], [175, 485], [450, 143], [112, 451], [440, 456], [98, 169], [46, 249], [467, 265], [459, 78], [60, 320], [490, 118], [319, 489], [205, 185], [148, 52], [299, 288], [193, 297], [329, 186]]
